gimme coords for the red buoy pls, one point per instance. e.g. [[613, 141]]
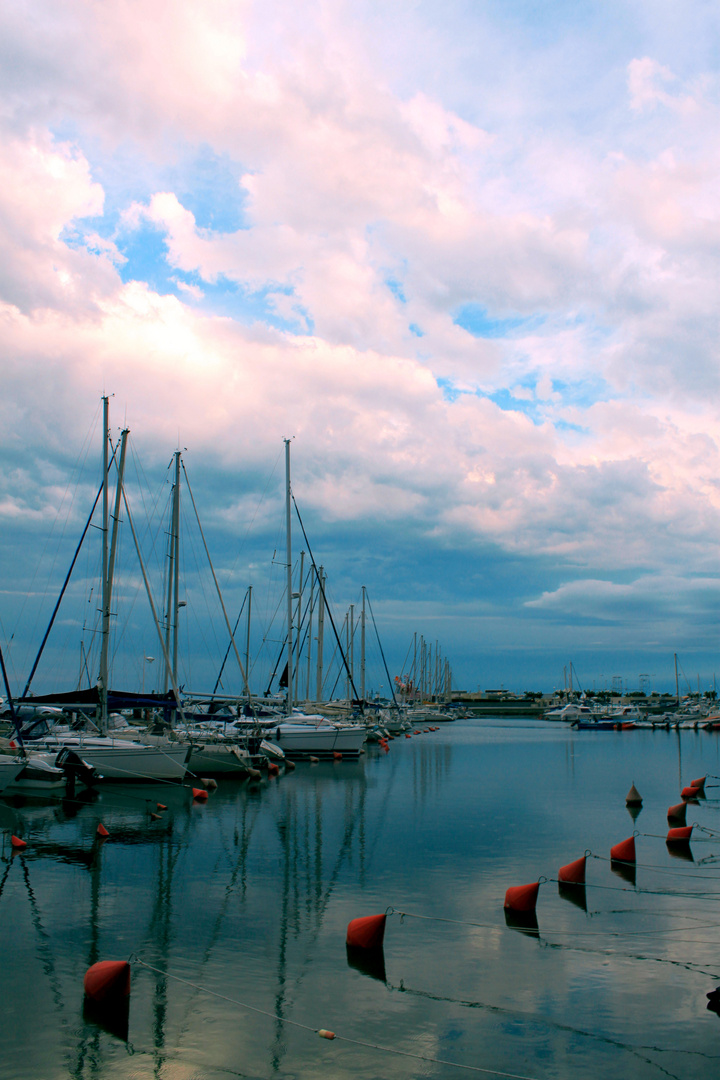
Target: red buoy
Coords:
[[161, 806], [273, 768], [408, 735], [624, 851], [108, 980], [522, 897], [367, 932], [199, 794], [700, 783], [574, 872], [324, 1034], [17, 843], [690, 793], [679, 834], [337, 755], [677, 812], [102, 831]]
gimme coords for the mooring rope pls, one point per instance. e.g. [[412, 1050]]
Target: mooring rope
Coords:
[[553, 932], [323, 1033]]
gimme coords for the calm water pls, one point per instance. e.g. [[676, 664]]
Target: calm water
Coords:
[[249, 896]]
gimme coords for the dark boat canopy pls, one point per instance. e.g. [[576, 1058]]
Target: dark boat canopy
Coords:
[[91, 697]]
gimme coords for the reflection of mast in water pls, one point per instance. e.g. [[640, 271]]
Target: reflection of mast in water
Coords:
[[431, 764], [293, 834]]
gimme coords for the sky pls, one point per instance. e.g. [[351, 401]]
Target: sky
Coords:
[[464, 255]]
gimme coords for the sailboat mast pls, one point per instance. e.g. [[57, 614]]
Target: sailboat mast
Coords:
[[103, 680], [298, 622], [247, 642], [309, 634], [362, 647], [320, 633], [176, 562], [288, 556], [109, 559], [351, 648], [677, 685], [171, 619]]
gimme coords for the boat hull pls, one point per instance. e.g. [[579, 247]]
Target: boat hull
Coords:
[[119, 760], [305, 740]]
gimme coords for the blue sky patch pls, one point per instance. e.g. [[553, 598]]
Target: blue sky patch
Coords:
[[449, 392], [475, 319], [505, 400], [396, 289]]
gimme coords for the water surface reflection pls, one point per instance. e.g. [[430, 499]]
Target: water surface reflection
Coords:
[[242, 903]]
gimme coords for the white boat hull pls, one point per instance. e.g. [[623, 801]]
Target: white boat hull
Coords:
[[9, 769], [319, 740], [118, 759]]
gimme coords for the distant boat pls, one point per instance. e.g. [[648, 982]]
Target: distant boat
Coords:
[[570, 712]]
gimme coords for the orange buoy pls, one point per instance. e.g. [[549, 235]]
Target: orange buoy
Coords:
[[679, 834], [700, 783], [417, 733], [101, 831], [574, 872], [337, 755], [161, 806], [690, 793], [522, 897], [314, 760], [408, 735], [624, 851], [273, 768], [17, 843], [366, 932], [108, 980], [677, 812], [156, 817], [326, 1034], [199, 794], [633, 797]]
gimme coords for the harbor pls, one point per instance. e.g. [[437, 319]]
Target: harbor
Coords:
[[233, 913]]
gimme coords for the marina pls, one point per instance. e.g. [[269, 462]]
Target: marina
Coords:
[[233, 914]]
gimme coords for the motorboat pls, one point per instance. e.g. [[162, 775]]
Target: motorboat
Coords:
[[570, 713]]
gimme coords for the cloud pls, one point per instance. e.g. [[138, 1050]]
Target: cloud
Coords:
[[371, 207]]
